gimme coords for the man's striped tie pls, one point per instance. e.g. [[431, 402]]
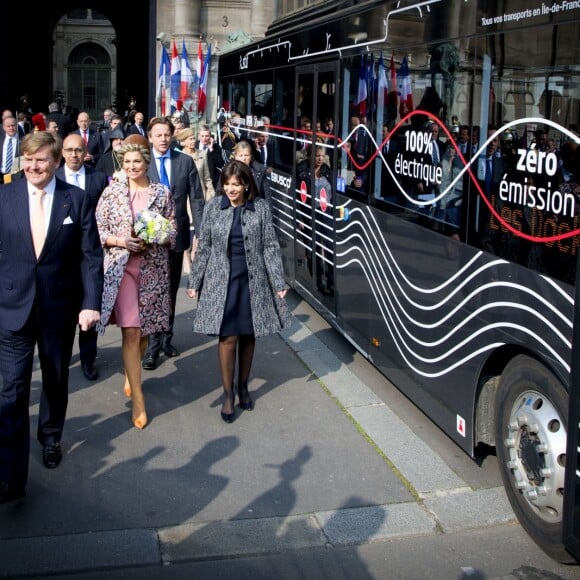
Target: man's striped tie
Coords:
[[9, 155]]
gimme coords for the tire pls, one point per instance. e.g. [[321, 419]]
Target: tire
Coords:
[[530, 434]]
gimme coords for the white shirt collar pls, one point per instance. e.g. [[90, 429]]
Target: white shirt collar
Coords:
[[69, 172], [49, 188]]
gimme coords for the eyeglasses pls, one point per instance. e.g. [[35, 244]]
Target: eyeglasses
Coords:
[[77, 151]]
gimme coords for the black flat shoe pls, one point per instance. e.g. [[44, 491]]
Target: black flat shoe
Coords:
[[228, 417], [52, 455], [169, 349], [149, 362], [89, 371], [245, 402], [246, 405]]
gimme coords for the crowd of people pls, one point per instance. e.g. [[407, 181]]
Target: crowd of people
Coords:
[[95, 223]]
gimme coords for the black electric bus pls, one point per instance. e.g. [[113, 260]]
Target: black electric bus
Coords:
[[423, 166]]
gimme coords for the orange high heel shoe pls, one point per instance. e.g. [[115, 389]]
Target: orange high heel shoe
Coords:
[[138, 413]]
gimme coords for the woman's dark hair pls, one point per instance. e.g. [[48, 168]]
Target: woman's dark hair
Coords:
[[244, 174]]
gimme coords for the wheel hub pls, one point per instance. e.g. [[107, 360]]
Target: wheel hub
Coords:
[[536, 445], [532, 460]]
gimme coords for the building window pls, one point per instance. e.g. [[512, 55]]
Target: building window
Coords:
[[77, 14], [89, 79]]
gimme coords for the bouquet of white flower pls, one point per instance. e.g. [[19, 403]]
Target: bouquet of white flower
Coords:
[[152, 227]]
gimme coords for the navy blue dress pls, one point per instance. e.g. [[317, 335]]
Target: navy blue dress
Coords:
[[237, 317]]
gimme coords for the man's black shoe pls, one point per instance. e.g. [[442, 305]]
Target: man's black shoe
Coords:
[[89, 371], [8, 493], [149, 361], [169, 349], [51, 455]]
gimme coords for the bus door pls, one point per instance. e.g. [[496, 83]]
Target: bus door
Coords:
[[315, 179], [572, 478]]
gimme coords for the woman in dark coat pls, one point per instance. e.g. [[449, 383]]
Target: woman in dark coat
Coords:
[[237, 243]]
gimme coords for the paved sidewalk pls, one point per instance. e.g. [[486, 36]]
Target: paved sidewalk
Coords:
[[320, 462]]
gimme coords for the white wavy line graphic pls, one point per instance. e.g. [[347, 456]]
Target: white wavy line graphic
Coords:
[[375, 253]]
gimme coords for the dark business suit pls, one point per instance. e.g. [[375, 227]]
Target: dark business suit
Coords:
[[16, 148], [95, 183], [40, 301], [133, 129], [389, 186], [95, 145], [215, 162], [61, 120], [492, 240], [185, 185]]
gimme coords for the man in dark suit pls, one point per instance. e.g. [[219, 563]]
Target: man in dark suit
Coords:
[[51, 269], [389, 185], [55, 114], [490, 172], [179, 173], [93, 182], [361, 149], [9, 149], [92, 139], [215, 159], [23, 125], [136, 126]]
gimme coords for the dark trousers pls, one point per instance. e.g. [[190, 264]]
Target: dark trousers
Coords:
[[88, 345], [155, 340], [16, 363]]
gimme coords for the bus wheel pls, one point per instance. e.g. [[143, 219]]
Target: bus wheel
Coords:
[[530, 435]]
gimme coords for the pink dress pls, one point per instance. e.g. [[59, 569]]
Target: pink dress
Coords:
[[126, 307]]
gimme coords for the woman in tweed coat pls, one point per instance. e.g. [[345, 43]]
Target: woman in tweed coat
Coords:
[[136, 293], [238, 277]]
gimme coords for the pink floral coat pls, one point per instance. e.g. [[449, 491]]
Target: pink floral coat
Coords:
[[114, 218]]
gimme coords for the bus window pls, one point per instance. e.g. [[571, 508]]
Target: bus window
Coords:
[[528, 171], [281, 116]]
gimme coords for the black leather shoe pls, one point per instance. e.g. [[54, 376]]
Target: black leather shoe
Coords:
[[89, 371], [51, 455], [169, 349], [228, 417], [245, 401], [149, 362], [8, 493]]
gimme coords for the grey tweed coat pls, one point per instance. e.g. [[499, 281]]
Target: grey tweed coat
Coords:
[[211, 267]]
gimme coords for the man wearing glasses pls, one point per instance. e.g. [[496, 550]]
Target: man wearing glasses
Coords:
[[75, 172]]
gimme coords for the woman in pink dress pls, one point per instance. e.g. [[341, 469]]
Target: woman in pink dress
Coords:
[[136, 294]]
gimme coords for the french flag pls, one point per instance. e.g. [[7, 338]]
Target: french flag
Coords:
[[362, 93], [405, 89], [392, 99], [163, 82], [186, 79], [198, 65], [383, 83], [201, 98], [176, 103]]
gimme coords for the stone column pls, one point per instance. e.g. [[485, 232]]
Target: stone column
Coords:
[[260, 18], [187, 18]]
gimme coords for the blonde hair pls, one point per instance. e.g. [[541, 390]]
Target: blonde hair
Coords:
[[182, 135], [242, 146], [32, 142], [130, 147]]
